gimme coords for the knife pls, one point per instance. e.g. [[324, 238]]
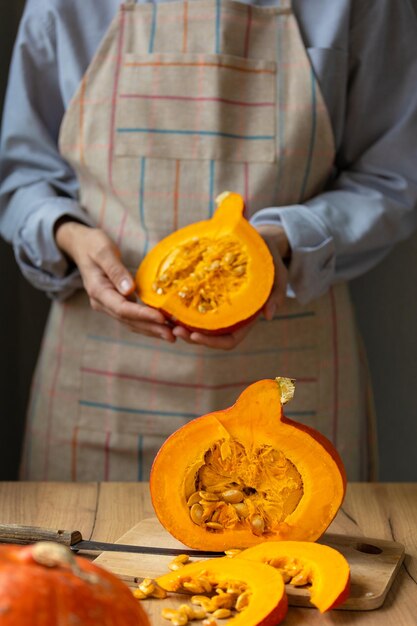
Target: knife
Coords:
[[14, 533]]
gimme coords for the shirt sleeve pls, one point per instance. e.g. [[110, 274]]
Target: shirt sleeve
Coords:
[[37, 185], [370, 204]]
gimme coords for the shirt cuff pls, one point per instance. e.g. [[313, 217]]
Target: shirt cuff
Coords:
[[312, 268], [37, 254]]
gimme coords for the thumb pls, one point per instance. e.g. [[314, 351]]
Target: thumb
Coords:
[[279, 290]]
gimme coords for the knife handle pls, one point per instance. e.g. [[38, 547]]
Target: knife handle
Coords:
[[14, 533]]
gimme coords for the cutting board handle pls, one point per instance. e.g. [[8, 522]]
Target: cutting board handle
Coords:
[[14, 533]]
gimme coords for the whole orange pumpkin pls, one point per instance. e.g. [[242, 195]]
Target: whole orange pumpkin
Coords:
[[45, 585]]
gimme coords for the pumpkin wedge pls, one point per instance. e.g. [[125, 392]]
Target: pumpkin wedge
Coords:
[[247, 474], [323, 568], [254, 592], [212, 276]]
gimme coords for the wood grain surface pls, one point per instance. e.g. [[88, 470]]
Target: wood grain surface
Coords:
[[106, 511]]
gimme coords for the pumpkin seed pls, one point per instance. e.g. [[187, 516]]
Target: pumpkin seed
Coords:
[[203, 601], [194, 498], [205, 583], [222, 613], [180, 620], [222, 601], [193, 587], [196, 514], [233, 496], [209, 496], [300, 579], [147, 586], [258, 525], [242, 601], [241, 509], [214, 525], [232, 552]]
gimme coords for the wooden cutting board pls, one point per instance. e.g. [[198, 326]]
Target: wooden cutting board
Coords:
[[373, 562]]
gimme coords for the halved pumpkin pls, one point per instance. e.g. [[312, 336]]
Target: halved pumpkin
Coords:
[[247, 474], [254, 589], [323, 568], [212, 276]]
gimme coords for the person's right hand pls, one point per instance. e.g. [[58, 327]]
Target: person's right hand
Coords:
[[109, 285]]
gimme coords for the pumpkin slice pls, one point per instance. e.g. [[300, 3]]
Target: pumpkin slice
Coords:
[[253, 591], [211, 276], [323, 568], [45, 584], [247, 474]]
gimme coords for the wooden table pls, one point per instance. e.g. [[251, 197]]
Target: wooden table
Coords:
[[106, 511]]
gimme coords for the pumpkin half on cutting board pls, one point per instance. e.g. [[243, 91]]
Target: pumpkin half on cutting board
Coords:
[[212, 276], [247, 474]]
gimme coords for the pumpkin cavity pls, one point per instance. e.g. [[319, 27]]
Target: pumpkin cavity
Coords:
[[203, 272], [238, 487]]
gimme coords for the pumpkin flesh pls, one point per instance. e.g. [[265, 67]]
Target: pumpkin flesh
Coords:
[[211, 276], [267, 602], [247, 474], [319, 566]]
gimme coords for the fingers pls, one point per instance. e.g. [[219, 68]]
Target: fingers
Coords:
[[277, 242], [135, 316], [216, 342], [110, 287]]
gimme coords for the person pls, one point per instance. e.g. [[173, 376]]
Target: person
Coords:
[[124, 122]]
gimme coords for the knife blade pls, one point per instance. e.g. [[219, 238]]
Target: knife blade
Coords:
[[23, 535]]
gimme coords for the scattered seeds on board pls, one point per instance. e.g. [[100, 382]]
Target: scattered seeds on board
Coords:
[[148, 588]]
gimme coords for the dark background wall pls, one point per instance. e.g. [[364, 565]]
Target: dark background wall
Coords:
[[23, 310], [386, 305]]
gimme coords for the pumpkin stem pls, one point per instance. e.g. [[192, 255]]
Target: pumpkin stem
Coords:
[[286, 388], [222, 196], [230, 208], [51, 554]]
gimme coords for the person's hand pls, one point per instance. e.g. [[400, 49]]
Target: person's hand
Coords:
[[217, 342], [107, 282], [277, 242]]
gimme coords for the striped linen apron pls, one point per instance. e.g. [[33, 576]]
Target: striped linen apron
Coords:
[[182, 101]]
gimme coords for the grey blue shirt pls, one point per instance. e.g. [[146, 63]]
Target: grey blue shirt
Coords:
[[364, 53]]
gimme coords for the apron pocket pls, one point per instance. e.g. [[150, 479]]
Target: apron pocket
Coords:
[[196, 106]]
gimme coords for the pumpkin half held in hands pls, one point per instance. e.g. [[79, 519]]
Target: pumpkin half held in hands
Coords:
[[45, 585], [212, 276], [247, 474]]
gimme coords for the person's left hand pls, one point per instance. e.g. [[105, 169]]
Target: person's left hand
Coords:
[[277, 242]]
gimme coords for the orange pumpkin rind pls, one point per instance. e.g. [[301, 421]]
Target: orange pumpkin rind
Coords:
[[45, 584]]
